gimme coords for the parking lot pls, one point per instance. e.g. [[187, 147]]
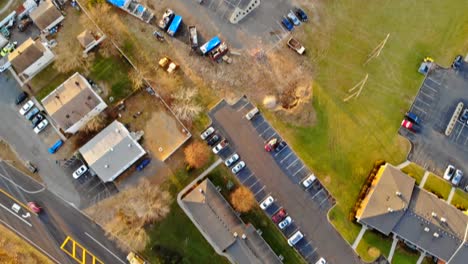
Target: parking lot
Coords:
[[435, 103], [280, 174], [261, 29]]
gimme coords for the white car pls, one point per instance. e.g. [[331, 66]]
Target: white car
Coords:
[[207, 133], [457, 178], [80, 171], [321, 261], [238, 167], [449, 172], [286, 222], [294, 18], [251, 113], [220, 146], [308, 182], [267, 202], [295, 238], [43, 124], [26, 107], [231, 160]]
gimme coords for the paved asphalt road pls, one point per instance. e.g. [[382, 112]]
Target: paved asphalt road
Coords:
[[28, 145], [310, 221], [49, 230]]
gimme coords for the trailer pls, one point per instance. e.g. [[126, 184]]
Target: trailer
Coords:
[[219, 52], [174, 25], [193, 37], [295, 45], [210, 45]]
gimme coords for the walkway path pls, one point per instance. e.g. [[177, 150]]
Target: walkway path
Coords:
[[404, 164], [452, 192], [359, 237], [6, 6], [392, 249], [423, 181]]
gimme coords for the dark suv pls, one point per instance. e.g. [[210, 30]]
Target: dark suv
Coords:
[[457, 62], [21, 97]]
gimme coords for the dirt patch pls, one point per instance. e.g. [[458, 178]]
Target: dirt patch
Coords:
[[373, 252], [8, 155]]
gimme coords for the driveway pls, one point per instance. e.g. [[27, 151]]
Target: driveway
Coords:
[[18, 133], [279, 176]]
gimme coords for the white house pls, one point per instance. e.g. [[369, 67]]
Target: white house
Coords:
[[73, 104]]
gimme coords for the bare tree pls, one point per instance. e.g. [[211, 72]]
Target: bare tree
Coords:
[[196, 154], [242, 199], [96, 124], [185, 105], [136, 77]]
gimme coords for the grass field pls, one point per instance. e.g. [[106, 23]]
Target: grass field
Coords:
[[438, 186], [415, 171], [350, 136]]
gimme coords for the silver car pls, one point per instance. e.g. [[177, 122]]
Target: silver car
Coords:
[[286, 222], [457, 178], [231, 160], [238, 167]]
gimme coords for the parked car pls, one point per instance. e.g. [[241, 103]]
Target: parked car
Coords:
[[21, 97], [285, 223], [38, 118], [31, 113], [238, 167], [8, 48], [413, 117], [36, 208], [31, 167], [207, 133], [301, 14], [213, 139], [321, 261], [281, 146], [267, 202], [279, 216], [308, 181], [464, 116], [295, 238], [41, 126], [287, 24], [143, 164], [457, 178], [55, 147], [80, 171], [293, 18], [26, 107], [251, 113], [457, 62], [410, 126], [231, 160], [449, 172], [271, 144], [221, 145]]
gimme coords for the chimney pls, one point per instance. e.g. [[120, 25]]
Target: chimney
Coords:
[[111, 149], [106, 166], [201, 190], [426, 229], [436, 235]]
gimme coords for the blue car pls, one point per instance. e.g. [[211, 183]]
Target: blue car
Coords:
[[56, 146], [143, 164], [287, 24]]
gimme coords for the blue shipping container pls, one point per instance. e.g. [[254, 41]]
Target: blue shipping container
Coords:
[[174, 25], [210, 45]]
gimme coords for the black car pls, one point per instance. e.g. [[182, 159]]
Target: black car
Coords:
[[464, 116], [38, 118], [281, 146], [457, 62], [213, 139], [21, 97], [301, 14]]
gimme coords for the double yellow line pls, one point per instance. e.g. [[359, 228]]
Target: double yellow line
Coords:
[[17, 201], [75, 255]]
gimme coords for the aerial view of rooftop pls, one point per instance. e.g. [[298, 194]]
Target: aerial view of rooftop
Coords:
[[233, 131]]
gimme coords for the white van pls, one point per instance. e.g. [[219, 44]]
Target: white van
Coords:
[[251, 113], [295, 238]]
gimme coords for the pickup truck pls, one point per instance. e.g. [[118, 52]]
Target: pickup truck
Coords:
[[295, 45], [193, 37], [168, 65], [166, 19]]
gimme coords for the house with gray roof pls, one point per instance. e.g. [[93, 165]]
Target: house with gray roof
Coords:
[[112, 151], [395, 206]]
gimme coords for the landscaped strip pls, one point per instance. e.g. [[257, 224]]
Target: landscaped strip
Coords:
[[415, 171], [438, 186], [460, 200]]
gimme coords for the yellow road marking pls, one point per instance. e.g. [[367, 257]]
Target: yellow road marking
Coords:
[[16, 200], [72, 254]]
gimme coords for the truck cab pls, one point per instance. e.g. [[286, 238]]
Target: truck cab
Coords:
[[135, 259]]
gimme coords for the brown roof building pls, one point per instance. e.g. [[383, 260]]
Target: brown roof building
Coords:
[[46, 16]]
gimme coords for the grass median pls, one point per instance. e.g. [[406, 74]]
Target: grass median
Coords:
[[438, 186], [415, 171]]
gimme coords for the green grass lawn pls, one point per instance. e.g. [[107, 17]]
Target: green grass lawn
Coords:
[[220, 177], [349, 137], [415, 171], [460, 198], [47, 80], [372, 245], [438, 186]]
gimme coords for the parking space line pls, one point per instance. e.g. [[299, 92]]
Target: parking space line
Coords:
[[281, 26], [242, 107], [432, 80], [422, 101], [317, 193], [260, 190], [274, 134], [255, 182], [460, 132], [433, 89], [298, 170], [247, 178], [426, 94], [263, 132], [280, 152], [263, 121], [326, 198], [308, 243], [419, 109], [311, 253], [286, 157], [292, 163]]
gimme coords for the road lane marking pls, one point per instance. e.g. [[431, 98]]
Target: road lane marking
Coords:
[[17, 185], [108, 250], [73, 253], [17, 216], [30, 242], [286, 157], [17, 201]]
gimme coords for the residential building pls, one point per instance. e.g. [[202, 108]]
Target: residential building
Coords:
[[112, 151], [73, 104], [396, 206], [46, 16], [29, 59]]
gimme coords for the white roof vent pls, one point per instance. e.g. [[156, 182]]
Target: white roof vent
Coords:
[[434, 214], [235, 234], [443, 220], [106, 166], [390, 210], [200, 190], [111, 149], [426, 229], [436, 235], [397, 193], [130, 145]]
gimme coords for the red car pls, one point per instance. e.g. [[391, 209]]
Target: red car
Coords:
[[272, 144], [279, 216], [34, 207], [409, 125]]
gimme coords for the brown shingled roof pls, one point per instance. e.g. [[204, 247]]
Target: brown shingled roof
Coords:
[[25, 55], [44, 15]]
